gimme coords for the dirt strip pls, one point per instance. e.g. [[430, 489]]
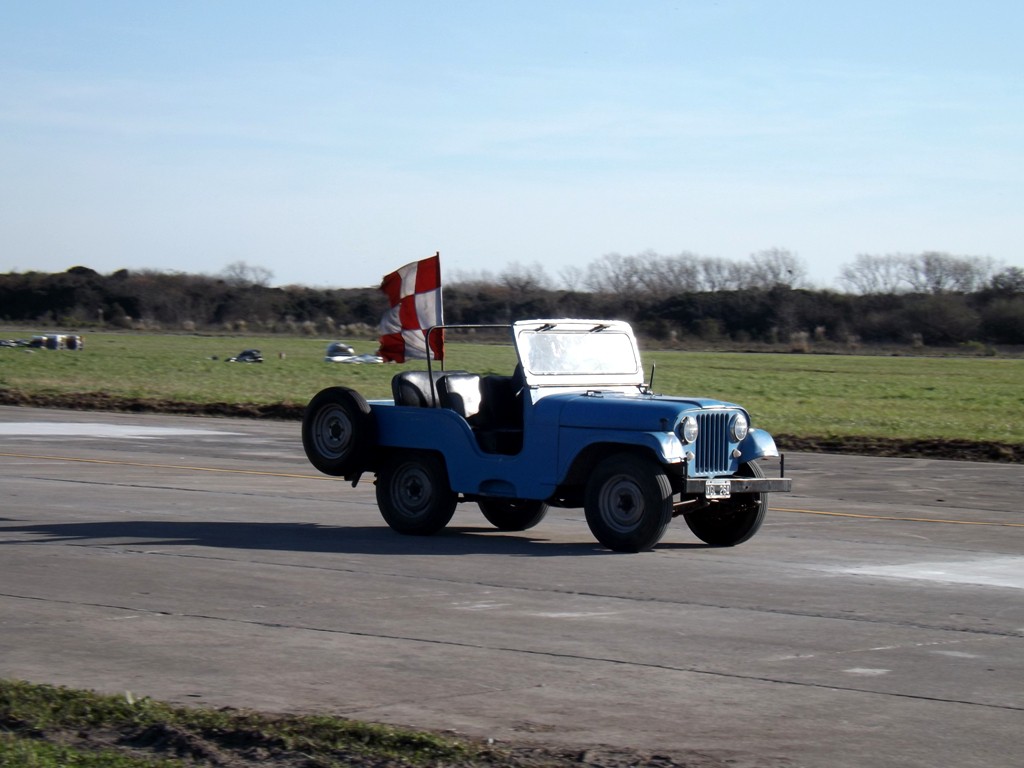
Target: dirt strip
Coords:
[[930, 448]]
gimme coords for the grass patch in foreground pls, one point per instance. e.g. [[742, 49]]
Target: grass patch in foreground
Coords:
[[44, 726], [21, 752]]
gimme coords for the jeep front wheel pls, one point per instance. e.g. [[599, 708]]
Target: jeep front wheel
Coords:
[[513, 514], [728, 522], [337, 431], [413, 493], [628, 502]]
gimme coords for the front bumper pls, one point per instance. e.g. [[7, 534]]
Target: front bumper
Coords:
[[698, 485]]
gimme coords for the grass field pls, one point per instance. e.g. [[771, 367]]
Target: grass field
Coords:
[[969, 398]]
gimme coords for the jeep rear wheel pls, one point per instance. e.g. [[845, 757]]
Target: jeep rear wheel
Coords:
[[413, 493], [337, 431], [513, 514], [628, 502], [728, 522]]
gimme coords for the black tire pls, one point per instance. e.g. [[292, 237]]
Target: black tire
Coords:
[[628, 502], [338, 431], [413, 493], [513, 514], [731, 521]]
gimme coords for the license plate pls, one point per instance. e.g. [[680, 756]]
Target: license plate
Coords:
[[718, 489]]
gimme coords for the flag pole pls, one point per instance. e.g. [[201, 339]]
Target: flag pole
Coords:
[[440, 286], [440, 304]]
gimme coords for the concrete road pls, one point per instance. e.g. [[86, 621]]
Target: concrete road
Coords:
[[877, 619]]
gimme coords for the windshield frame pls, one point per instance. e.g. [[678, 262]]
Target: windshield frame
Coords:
[[570, 352]]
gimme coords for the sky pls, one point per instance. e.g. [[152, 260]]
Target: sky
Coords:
[[332, 142]]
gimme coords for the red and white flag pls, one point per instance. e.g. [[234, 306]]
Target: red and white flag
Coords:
[[414, 293]]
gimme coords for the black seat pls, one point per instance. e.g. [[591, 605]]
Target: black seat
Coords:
[[500, 420], [502, 406], [417, 388], [461, 392]]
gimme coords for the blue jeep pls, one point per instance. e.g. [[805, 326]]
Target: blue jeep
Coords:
[[574, 426]]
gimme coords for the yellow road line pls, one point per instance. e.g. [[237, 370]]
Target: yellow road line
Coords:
[[894, 518], [145, 465], [167, 466]]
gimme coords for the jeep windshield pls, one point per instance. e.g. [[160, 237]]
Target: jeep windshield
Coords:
[[578, 353]]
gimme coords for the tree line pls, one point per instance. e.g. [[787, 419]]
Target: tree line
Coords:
[[932, 299]]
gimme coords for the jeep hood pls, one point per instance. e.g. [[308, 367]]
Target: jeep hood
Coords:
[[619, 410]]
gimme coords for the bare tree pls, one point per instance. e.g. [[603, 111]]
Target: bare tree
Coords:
[[243, 274], [613, 273], [464, 277], [1009, 280], [873, 275], [775, 266], [572, 278], [935, 273], [648, 269], [525, 279], [649, 274], [663, 276], [718, 274], [682, 272]]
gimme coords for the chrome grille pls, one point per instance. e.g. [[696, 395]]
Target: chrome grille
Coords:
[[713, 442]]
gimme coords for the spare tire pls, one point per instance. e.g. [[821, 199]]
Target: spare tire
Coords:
[[338, 431]]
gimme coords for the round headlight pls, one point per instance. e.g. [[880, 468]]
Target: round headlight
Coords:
[[739, 427], [688, 429]]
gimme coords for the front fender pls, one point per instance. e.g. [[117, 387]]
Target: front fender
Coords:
[[664, 446], [758, 444]]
